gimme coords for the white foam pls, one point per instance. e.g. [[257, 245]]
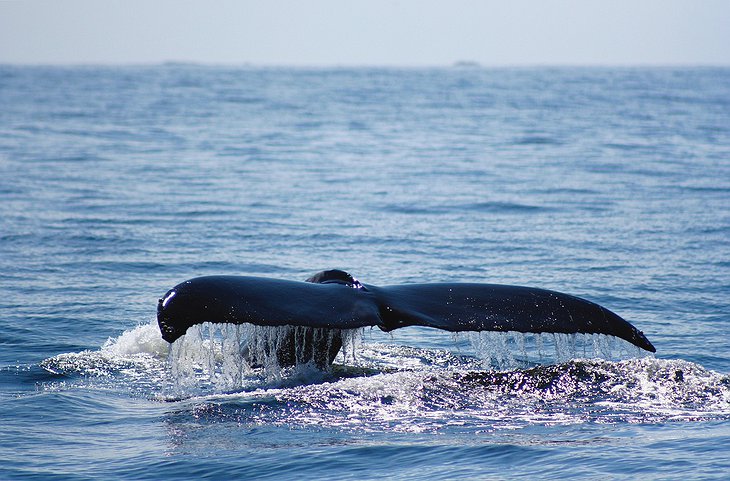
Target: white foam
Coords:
[[143, 339], [217, 357]]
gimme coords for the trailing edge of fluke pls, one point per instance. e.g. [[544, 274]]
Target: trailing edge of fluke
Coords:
[[334, 300]]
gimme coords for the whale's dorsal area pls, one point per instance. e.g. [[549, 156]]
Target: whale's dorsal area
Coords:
[[334, 299]]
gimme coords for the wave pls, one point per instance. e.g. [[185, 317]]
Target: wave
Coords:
[[485, 207], [576, 392], [377, 387]]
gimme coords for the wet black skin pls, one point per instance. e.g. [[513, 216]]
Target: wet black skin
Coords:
[[333, 300]]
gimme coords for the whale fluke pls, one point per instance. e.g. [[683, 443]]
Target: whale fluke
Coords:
[[334, 300]]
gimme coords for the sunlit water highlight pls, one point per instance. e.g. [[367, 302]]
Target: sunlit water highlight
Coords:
[[381, 387]]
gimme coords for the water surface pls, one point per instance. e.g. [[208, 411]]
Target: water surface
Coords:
[[119, 182]]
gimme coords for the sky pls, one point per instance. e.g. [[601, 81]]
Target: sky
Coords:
[[366, 33]]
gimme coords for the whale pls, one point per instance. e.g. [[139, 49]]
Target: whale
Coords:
[[317, 311]]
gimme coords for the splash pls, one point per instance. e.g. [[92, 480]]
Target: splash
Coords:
[[577, 392], [143, 339], [216, 357], [512, 350], [132, 362], [141, 348], [386, 387], [219, 358]]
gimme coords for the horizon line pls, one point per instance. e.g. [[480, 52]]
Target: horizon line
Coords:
[[458, 64]]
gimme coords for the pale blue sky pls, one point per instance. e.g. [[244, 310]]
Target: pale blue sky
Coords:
[[373, 32]]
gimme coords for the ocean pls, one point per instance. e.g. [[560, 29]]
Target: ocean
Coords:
[[117, 183]]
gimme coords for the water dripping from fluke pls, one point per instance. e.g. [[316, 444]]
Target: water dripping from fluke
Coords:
[[219, 357], [515, 350], [225, 358]]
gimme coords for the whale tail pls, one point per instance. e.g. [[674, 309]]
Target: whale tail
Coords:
[[332, 301]]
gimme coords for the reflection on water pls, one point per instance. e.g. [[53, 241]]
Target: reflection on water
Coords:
[[377, 387]]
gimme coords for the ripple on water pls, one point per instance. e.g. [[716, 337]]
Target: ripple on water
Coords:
[[390, 388]]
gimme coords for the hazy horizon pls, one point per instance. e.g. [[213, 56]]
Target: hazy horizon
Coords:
[[454, 65], [378, 33]]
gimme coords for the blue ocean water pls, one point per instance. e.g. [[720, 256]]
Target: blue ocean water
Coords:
[[119, 182]]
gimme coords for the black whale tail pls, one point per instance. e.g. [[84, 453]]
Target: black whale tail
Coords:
[[332, 301], [303, 336]]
